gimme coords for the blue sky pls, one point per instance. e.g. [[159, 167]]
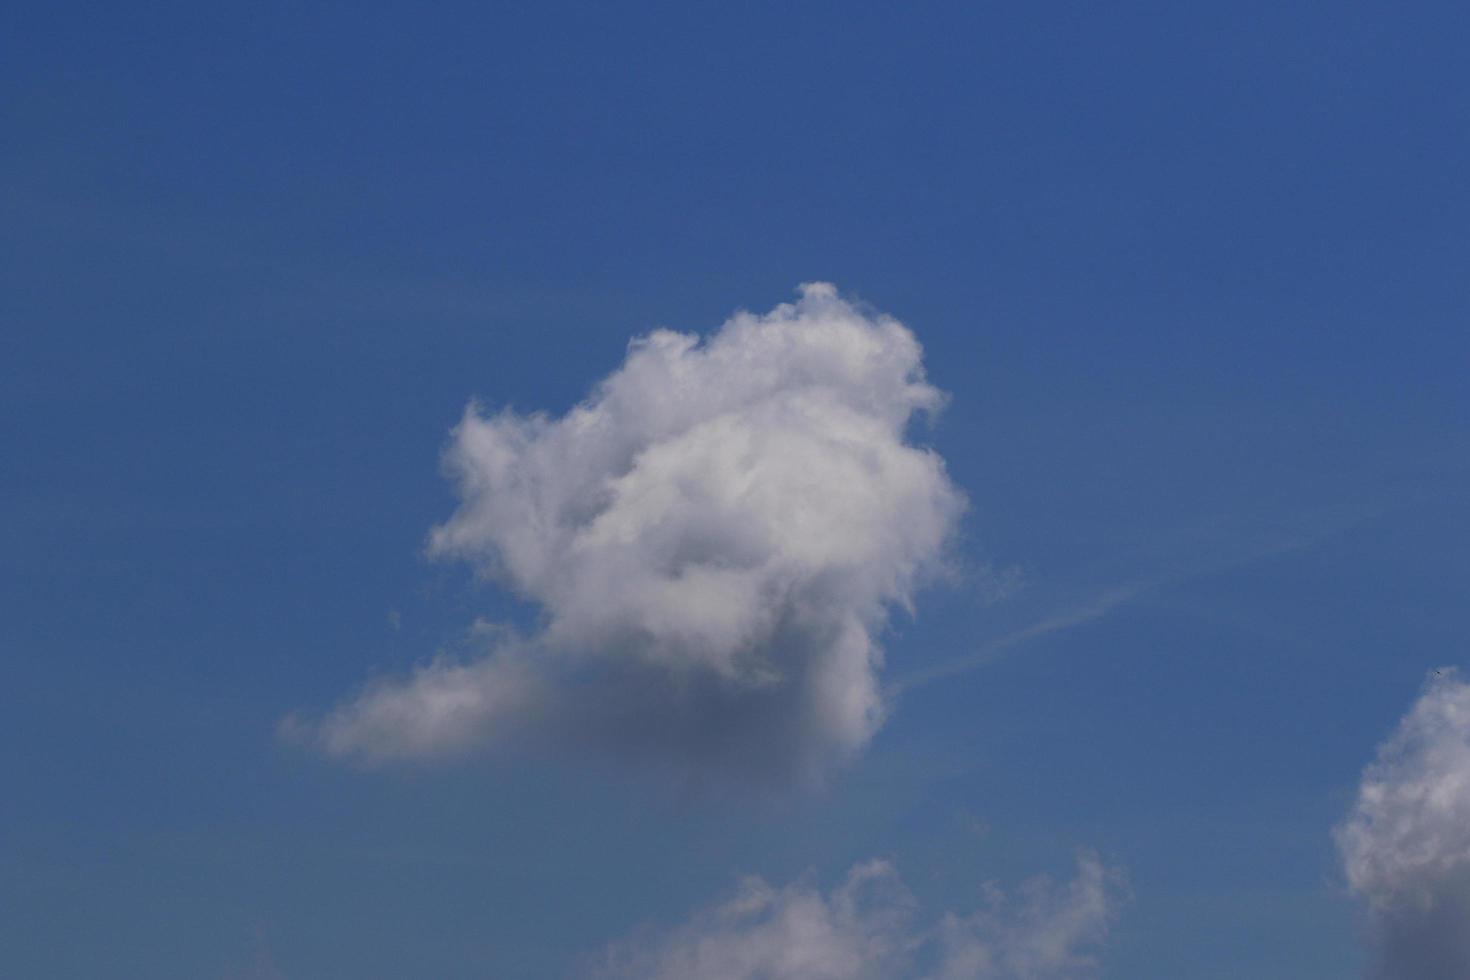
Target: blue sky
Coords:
[[1192, 278]]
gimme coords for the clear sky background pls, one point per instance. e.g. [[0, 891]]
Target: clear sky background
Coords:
[[1193, 277]]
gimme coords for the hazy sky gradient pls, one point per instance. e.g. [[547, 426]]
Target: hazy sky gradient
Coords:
[[1194, 283]]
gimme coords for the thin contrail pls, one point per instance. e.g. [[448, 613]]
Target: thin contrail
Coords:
[[1094, 608], [1105, 600]]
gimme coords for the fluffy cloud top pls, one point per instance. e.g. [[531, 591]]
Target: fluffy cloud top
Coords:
[[715, 537], [870, 926], [1406, 844]]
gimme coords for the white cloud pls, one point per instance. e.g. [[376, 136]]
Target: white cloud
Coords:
[[1406, 844], [715, 537], [870, 926]]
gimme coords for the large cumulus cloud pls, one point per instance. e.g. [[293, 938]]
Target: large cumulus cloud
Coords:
[[715, 537], [1406, 843], [870, 927]]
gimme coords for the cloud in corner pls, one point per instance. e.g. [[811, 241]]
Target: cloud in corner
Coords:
[[1405, 845], [715, 537]]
